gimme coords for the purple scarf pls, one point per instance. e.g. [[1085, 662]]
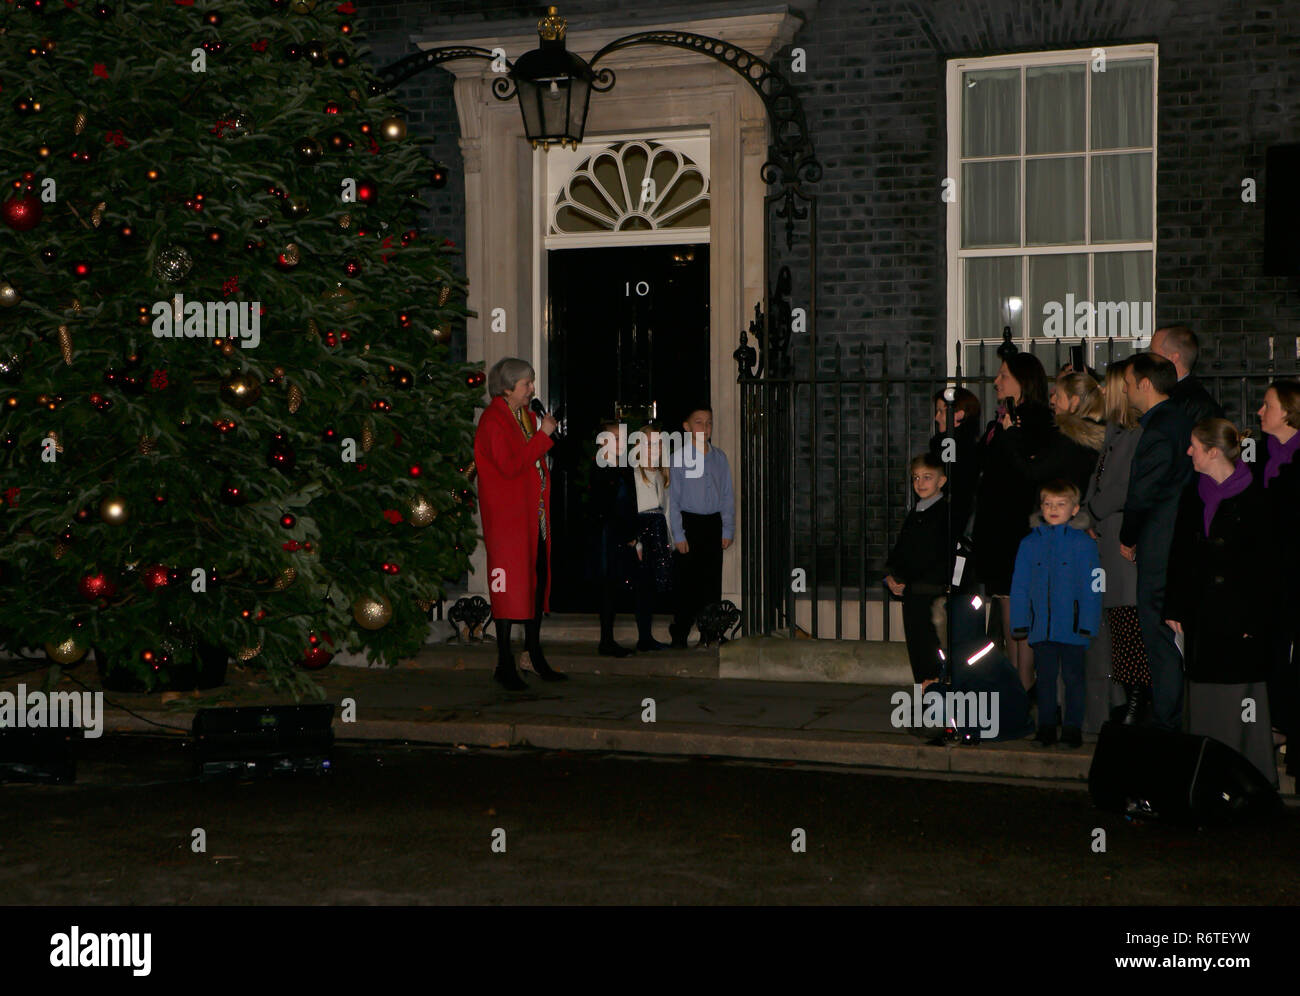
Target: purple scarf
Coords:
[[1213, 494], [1279, 454]]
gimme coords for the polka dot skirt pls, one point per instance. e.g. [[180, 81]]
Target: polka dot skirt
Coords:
[[1128, 656]]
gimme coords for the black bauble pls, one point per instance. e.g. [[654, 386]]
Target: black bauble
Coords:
[[308, 150]]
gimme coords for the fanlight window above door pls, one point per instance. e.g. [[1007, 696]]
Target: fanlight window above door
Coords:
[[634, 187]]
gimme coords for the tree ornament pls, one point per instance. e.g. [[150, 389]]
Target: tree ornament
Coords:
[[308, 150], [367, 192], [315, 658], [232, 494], [65, 344], [340, 60], [97, 213], [95, 586], [393, 129], [438, 178], [9, 295], [27, 105], [49, 254], [68, 651], [113, 510], [338, 142], [288, 521], [295, 208], [352, 267], [155, 576], [422, 512], [146, 445], [240, 391], [295, 399], [60, 548], [287, 577], [281, 457], [315, 53], [367, 438], [173, 264], [302, 6], [213, 18], [22, 212], [248, 653], [372, 613]]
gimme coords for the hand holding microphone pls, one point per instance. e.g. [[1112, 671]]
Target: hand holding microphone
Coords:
[[548, 424]]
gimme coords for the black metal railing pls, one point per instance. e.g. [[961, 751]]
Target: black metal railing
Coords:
[[824, 481]]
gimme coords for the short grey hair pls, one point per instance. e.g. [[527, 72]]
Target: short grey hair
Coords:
[[506, 373]]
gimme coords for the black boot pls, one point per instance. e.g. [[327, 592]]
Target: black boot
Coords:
[[608, 647], [505, 674], [1134, 707], [1046, 734], [533, 644]]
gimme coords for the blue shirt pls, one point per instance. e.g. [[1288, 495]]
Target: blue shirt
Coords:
[[710, 492]]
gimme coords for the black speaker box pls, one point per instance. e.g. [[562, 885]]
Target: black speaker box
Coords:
[[38, 755], [1176, 777], [263, 740], [1282, 211]]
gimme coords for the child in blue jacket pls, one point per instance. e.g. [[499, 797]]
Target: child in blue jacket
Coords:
[[1056, 602]]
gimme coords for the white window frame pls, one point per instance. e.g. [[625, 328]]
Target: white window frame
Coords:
[[957, 255]]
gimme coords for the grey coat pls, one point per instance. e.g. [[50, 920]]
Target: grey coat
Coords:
[[1104, 502]]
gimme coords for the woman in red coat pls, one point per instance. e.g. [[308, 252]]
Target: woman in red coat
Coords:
[[515, 502]]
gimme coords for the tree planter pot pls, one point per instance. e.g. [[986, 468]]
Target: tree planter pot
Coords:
[[210, 672]]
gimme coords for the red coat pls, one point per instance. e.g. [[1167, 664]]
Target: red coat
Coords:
[[509, 490]]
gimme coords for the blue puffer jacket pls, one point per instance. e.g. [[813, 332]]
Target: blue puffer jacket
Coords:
[[1052, 589]]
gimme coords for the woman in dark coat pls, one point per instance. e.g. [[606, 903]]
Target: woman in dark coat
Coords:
[[1277, 473], [1005, 498], [514, 498], [1219, 596]]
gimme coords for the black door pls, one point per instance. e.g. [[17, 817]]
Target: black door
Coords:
[[628, 334]]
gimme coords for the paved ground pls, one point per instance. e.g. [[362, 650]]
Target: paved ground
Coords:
[[398, 824]]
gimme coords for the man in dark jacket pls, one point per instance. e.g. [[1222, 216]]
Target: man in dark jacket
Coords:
[[1178, 345], [1160, 470]]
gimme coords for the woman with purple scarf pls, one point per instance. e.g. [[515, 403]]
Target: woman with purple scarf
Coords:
[[1277, 472], [1221, 595]]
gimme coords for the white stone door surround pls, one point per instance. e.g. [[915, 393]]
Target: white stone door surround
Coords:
[[659, 89]]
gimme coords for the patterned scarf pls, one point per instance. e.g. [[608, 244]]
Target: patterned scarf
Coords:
[[529, 432]]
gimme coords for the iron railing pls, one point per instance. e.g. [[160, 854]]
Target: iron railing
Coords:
[[824, 482]]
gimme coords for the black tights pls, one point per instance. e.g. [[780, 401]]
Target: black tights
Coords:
[[533, 626]]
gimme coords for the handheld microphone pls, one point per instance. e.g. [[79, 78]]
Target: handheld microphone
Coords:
[[539, 410]]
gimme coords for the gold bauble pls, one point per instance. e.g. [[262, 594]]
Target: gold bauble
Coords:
[[441, 335], [295, 398], [372, 613], [393, 129], [240, 391], [113, 511], [65, 343], [303, 6], [69, 651], [422, 512], [292, 255], [9, 295], [287, 577], [341, 300]]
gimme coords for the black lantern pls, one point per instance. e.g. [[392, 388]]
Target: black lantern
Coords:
[[554, 86]]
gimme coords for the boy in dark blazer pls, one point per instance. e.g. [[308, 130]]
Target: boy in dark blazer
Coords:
[[920, 565], [1161, 469]]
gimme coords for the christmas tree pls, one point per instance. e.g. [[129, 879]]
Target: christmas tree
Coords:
[[230, 416]]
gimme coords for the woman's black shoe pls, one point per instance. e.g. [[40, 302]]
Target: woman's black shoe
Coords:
[[542, 669], [650, 644], [509, 678], [1137, 698], [1071, 736], [1046, 735], [614, 650]]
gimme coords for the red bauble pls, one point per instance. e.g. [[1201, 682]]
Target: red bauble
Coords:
[[316, 658], [155, 576], [367, 192], [22, 212], [93, 586]]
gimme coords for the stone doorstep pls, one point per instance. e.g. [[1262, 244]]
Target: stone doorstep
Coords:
[[901, 752]]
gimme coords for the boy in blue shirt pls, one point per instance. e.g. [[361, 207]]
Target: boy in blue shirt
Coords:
[[1056, 603], [702, 520]]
